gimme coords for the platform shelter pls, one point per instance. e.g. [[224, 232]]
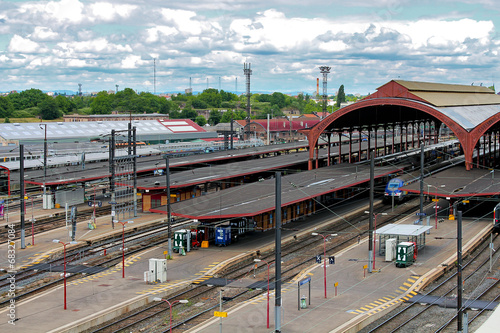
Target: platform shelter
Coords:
[[402, 233]]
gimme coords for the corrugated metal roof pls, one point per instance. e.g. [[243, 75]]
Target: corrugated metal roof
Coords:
[[87, 129], [470, 116], [403, 229], [441, 94], [442, 87], [457, 98]]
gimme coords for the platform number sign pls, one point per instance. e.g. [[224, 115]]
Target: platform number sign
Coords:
[[318, 258], [331, 260]]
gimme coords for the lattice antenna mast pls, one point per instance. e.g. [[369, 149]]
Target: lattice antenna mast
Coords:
[[154, 76], [324, 70], [247, 71]]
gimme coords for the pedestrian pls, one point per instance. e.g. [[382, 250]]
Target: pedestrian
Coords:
[[359, 238]]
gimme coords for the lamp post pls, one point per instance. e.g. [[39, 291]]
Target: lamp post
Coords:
[[259, 260], [436, 204], [123, 246], [374, 234], [64, 245], [170, 304], [324, 253]]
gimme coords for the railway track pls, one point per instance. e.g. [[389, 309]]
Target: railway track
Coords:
[[137, 241], [419, 317], [295, 255]]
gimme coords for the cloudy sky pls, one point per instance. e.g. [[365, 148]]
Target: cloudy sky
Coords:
[[54, 45]]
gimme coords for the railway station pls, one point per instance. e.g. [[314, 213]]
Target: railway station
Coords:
[[329, 199]]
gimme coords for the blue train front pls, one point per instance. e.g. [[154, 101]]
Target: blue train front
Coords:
[[392, 189]]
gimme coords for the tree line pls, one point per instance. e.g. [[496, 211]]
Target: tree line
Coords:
[[223, 105]]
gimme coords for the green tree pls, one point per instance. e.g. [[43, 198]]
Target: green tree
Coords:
[[48, 109], [6, 107], [214, 117], [211, 97], [278, 99], [200, 120], [7, 120], [64, 104], [189, 113], [199, 104], [101, 104], [340, 96]]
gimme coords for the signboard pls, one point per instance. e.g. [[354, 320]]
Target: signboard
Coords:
[[306, 280], [420, 214], [318, 259], [365, 266], [435, 200], [220, 314]]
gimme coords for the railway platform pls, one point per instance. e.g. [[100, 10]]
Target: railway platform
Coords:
[[105, 295], [360, 295]]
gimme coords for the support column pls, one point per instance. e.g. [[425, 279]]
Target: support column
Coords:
[[350, 146], [478, 148], [406, 140], [393, 135], [329, 146], [484, 149], [340, 147], [368, 150], [385, 140], [376, 135], [359, 144], [317, 155]]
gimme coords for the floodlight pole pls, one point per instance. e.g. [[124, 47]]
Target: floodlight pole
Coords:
[[21, 192], [370, 227], [277, 283]]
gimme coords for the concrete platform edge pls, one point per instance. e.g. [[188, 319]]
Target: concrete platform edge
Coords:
[[363, 320]]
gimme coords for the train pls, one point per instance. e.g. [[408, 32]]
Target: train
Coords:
[[496, 219], [394, 185]]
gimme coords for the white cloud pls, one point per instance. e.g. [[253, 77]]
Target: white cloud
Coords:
[[131, 61], [97, 46], [44, 34], [108, 12], [19, 44]]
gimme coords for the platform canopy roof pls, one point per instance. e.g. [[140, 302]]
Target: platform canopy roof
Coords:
[[456, 182], [256, 198], [403, 229], [468, 111]]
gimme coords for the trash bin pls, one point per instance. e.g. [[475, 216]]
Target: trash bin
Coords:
[[303, 303]]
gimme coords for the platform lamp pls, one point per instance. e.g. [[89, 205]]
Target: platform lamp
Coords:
[[170, 304], [123, 246], [374, 233], [324, 252], [64, 244]]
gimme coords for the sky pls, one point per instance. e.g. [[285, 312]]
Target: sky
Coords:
[[159, 46]]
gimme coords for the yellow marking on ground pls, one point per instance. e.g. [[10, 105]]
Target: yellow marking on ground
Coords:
[[378, 302], [403, 288], [369, 306], [311, 274], [411, 280], [212, 265], [413, 292], [386, 298], [362, 308], [407, 284]]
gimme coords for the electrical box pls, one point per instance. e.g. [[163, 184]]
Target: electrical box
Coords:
[[48, 201], [157, 270], [405, 254], [390, 249]]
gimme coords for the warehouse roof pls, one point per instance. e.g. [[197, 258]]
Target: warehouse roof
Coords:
[[94, 129]]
